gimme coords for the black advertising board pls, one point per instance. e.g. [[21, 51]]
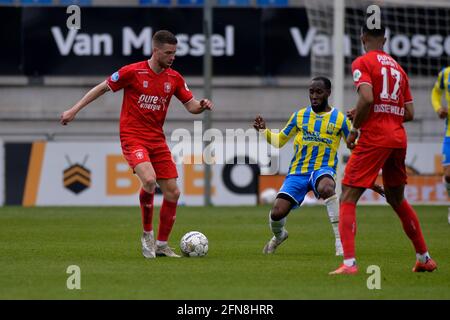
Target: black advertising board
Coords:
[[248, 41], [112, 37]]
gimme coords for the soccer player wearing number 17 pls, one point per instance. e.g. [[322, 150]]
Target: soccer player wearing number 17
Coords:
[[148, 88], [384, 103]]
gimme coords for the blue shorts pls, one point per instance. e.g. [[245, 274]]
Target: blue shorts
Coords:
[[446, 152], [297, 186]]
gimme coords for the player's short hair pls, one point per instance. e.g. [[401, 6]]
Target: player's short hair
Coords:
[[164, 37], [374, 32], [325, 81]]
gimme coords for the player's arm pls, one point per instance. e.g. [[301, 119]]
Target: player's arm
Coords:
[[436, 96], [278, 140], [365, 100], [409, 112], [68, 115], [362, 110], [195, 107]]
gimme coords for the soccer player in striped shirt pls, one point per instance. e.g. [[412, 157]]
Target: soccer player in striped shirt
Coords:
[[443, 85], [318, 130]]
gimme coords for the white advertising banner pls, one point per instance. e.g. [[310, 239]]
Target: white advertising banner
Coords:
[[95, 173]]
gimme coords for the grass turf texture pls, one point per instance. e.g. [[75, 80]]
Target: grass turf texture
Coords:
[[38, 244]]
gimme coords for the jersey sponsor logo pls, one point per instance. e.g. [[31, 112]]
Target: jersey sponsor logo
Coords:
[[150, 102], [357, 75], [314, 136], [167, 87], [186, 86], [115, 76], [387, 108]]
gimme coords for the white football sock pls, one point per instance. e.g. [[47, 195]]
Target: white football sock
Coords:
[[161, 243], [350, 262], [277, 227], [332, 204], [423, 258], [148, 233]]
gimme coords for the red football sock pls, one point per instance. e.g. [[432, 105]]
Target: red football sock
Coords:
[[167, 217], [411, 226], [146, 201], [347, 228]]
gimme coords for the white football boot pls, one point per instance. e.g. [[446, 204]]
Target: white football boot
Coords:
[[165, 250], [148, 246], [339, 248], [273, 243]]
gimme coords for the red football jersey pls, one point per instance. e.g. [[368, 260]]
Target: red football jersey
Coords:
[[390, 87], [146, 99]]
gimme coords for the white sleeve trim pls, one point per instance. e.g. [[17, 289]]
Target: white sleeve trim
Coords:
[[107, 83], [361, 83], [410, 101]]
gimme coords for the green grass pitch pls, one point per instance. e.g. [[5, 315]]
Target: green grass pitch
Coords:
[[38, 244]]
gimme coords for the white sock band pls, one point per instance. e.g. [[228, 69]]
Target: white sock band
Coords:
[[277, 227]]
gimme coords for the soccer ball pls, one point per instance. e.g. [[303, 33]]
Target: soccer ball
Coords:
[[268, 196], [194, 244]]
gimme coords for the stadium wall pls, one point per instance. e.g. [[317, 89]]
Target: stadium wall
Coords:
[[95, 173]]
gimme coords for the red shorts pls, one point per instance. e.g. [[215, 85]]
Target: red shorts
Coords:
[[366, 161], [159, 155]]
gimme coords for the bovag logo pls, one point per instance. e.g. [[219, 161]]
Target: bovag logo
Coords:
[[77, 177]]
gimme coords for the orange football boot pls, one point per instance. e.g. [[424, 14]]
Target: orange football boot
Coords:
[[428, 266], [343, 269]]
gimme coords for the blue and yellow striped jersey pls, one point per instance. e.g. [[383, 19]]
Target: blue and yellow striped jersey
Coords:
[[317, 139], [442, 85]]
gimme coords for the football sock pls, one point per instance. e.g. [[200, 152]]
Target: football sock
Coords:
[[411, 226], [347, 228], [350, 262], [332, 204], [150, 233], [167, 216], [161, 243], [423, 258], [277, 227], [146, 202]]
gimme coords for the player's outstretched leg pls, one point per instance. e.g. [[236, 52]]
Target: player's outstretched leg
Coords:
[[347, 228], [332, 204], [325, 186], [411, 226], [146, 174], [277, 221], [167, 216]]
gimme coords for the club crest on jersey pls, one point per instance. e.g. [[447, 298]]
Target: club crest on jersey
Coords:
[[145, 84], [330, 128], [139, 154], [167, 87], [115, 76]]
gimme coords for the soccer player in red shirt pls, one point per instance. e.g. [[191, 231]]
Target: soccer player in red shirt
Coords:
[[148, 87], [384, 103]]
